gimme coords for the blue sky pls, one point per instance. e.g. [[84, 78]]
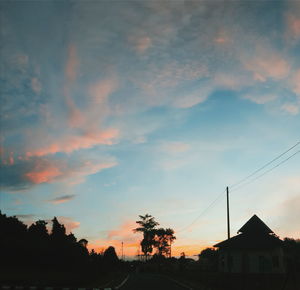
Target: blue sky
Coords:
[[111, 109]]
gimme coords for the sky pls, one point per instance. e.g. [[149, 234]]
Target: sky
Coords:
[[115, 109]]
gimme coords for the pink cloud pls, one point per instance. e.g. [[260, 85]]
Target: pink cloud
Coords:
[[141, 44], [69, 223], [222, 38], [71, 64], [77, 175], [43, 175], [293, 25], [76, 117], [267, 65], [72, 172], [69, 144], [101, 90], [62, 199]]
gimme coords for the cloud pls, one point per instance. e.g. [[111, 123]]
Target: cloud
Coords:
[[260, 98], [175, 147], [188, 101], [141, 44], [71, 64], [36, 85], [295, 82], [267, 64], [62, 199], [68, 144], [115, 237], [292, 109], [27, 172], [293, 25], [293, 20], [42, 174], [101, 90], [69, 223]]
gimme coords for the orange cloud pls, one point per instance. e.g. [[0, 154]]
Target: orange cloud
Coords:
[[72, 143], [116, 237]]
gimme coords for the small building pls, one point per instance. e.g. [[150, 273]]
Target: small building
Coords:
[[256, 249]]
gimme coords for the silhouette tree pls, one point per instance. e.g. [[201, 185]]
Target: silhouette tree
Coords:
[[83, 243], [58, 232], [38, 230], [163, 241], [147, 227], [210, 258]]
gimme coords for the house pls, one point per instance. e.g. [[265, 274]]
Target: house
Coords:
[[256, 249]]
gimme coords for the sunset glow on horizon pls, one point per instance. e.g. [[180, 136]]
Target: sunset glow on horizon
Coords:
[[115, 109]]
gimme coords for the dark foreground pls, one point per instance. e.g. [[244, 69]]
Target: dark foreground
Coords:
[[147, 281]]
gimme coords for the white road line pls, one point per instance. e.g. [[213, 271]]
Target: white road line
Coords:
[[124, 281]]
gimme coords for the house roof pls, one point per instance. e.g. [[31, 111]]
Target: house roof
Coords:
[[254, 234], [246, 241], [255, 225]]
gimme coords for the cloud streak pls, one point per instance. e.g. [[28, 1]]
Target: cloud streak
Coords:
[[62, 199]]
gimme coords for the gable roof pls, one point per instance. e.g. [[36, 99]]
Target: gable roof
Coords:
[[245, 241], [256, 226], [254, 234]]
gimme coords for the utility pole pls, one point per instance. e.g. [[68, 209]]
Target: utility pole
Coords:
[[122, 252], [228, 221]]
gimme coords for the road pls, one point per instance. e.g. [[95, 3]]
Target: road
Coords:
[[146, 281]]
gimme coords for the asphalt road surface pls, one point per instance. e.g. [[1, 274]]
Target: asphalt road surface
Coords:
[[145, 281]]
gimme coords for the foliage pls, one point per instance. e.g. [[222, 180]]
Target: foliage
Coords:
[[35, 248], [161, 238], [147, 227]]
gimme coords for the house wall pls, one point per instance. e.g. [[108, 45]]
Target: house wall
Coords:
[[252, 261]]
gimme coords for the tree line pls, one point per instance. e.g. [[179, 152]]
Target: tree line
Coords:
[[33, 247]]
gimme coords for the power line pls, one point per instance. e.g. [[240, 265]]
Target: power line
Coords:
[[272, 168], [264, 166], [211, 205], [218, 198]]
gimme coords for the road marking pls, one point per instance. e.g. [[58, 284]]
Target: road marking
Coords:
[[124, 281]]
